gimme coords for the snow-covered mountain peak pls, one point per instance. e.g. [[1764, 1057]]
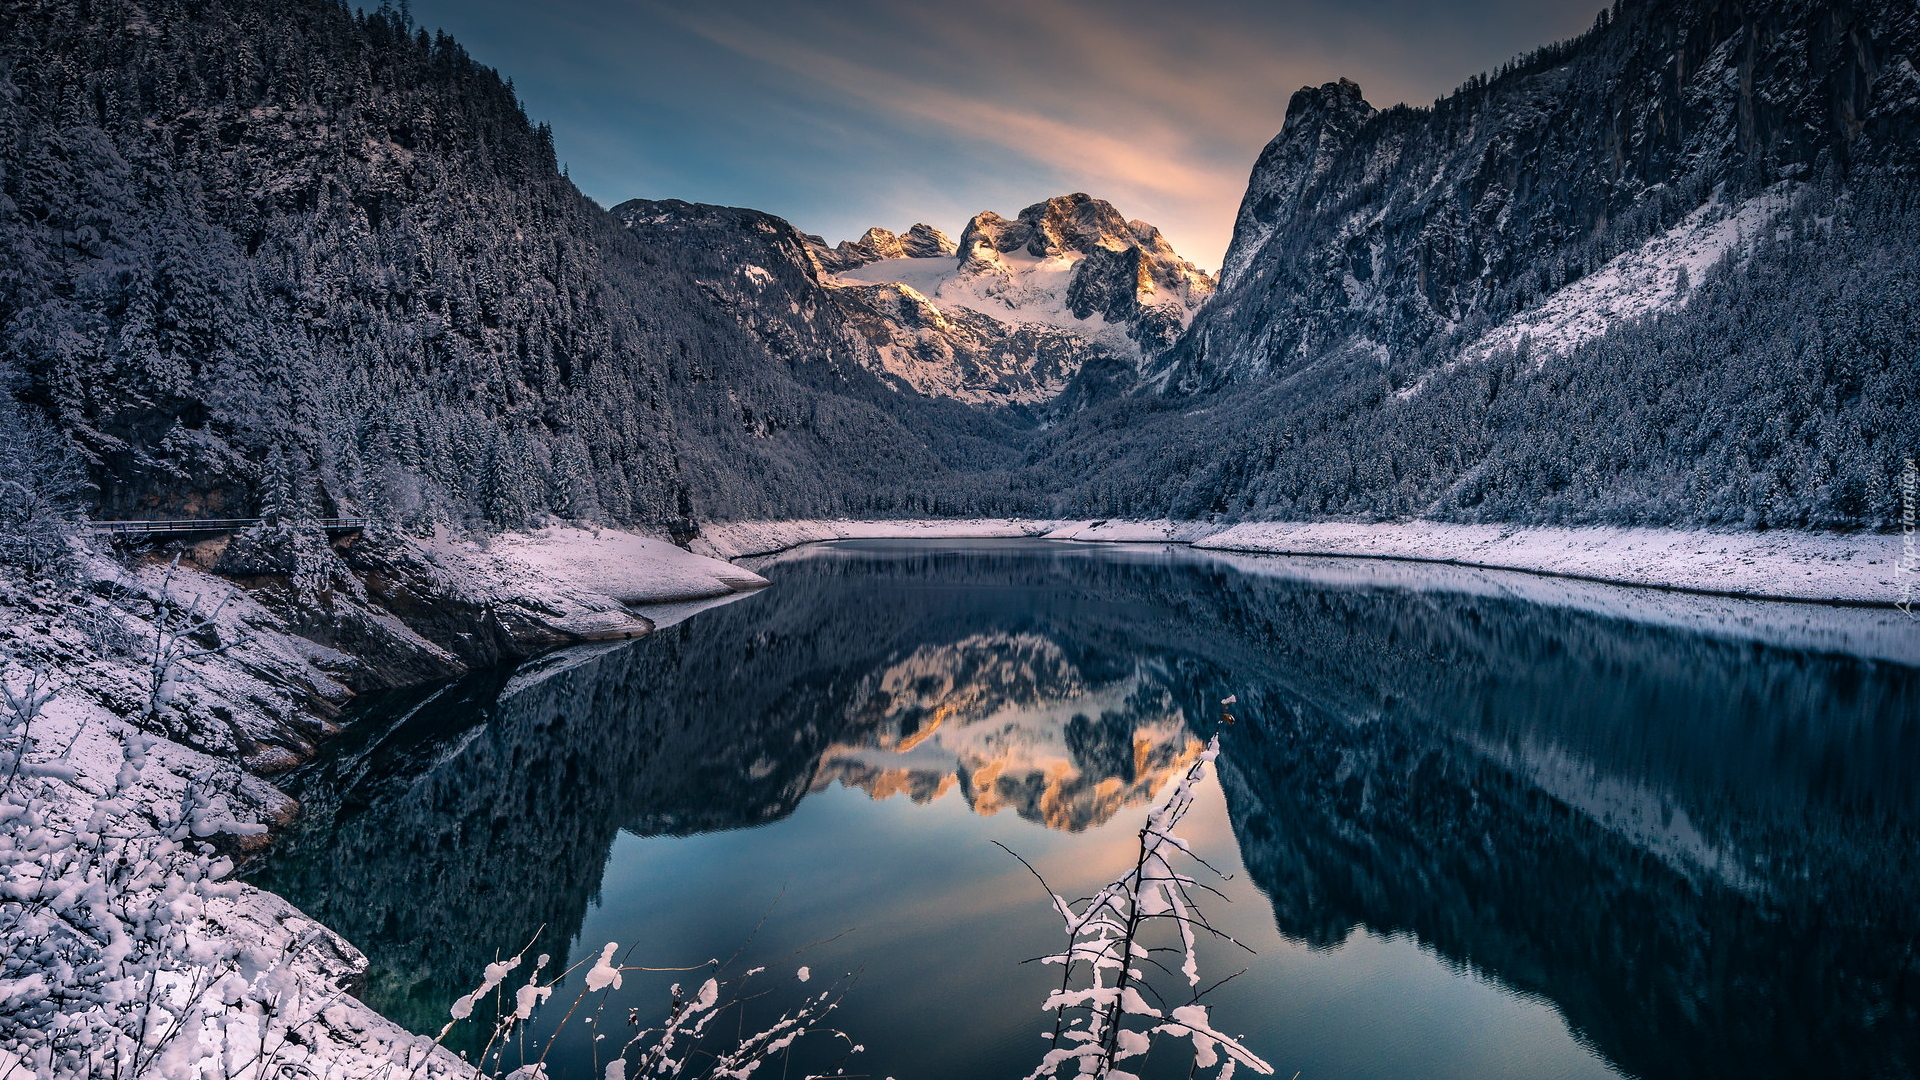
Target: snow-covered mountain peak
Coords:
[[1073, 226], [1071, 262], [1065, 223]]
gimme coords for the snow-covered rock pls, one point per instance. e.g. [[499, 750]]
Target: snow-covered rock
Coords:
[[141, 781], [563, 566], [1072, 262], [956, 352]]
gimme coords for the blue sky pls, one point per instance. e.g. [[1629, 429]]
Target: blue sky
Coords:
[[841, 115]]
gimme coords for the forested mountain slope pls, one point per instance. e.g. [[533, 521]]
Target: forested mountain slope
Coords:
[[1383, 230], [276, 255], [785, 408], [275, 238], [1662, 273], [1783, 394]]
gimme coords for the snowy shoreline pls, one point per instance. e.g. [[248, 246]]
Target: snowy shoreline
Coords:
[[1858, 570], [147, 912]]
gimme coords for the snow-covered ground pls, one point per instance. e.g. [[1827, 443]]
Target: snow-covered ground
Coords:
[[1778, 564], [592, 579], [631, 569], [124, 949], [220, 951]]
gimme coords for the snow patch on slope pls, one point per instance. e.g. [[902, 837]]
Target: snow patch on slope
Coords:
[[1033, 290], [1648, 280], [961, 354]]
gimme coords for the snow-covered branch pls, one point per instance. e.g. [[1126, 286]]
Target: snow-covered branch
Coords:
[[1101, 1015]]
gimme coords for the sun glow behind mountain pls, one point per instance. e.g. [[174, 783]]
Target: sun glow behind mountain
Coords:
[[841, 116]]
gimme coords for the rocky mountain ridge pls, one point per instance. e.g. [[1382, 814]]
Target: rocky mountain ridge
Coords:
[[1025, 303], [1393, 231], [1071, 260], [939, 369], [1123, 271], [922, 241], [996, 326]]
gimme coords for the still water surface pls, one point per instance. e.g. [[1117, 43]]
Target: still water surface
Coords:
[[1465, 835]]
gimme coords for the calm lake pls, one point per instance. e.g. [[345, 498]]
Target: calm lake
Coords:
[[1464, 833]]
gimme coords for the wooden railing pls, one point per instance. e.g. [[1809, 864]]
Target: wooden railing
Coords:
[[202, 525]]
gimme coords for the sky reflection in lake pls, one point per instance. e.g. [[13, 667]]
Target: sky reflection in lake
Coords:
[[1468, 835]]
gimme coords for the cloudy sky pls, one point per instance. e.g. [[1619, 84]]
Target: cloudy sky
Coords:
[[840, 115]]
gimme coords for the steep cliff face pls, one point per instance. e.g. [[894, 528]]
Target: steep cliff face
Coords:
[[1386, 231], [1099, 262]]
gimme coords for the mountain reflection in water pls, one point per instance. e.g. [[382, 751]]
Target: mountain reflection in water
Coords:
[[1703, 852], [1016, 724]]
